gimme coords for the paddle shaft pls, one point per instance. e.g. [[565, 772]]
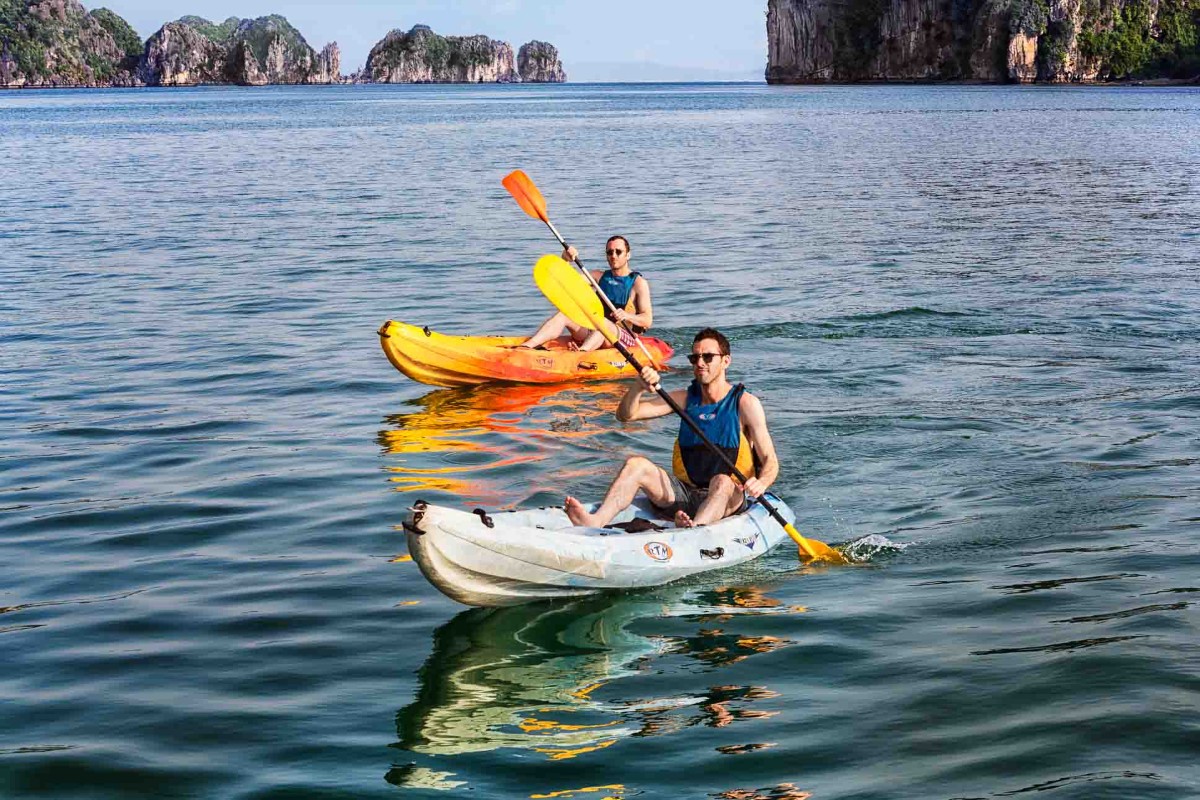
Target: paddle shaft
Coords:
[[603, 297], [737, 473]]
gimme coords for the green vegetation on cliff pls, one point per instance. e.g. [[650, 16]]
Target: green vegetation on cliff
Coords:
[[59, 42], [1132, 41], [1029, 17], [1125, 48], [436, 51], [260, 33], [471, 51], [24, 36], [424, 43], [1178, 50], [217, 33], [122, 32]]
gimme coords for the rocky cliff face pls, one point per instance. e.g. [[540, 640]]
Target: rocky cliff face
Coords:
[[985, 40], [272, 51], [58, 43], [180, 55], [249, 52], [537, 62], [422, 56]]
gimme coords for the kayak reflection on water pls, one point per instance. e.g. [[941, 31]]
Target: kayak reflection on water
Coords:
[[457, 439], [544, 677]]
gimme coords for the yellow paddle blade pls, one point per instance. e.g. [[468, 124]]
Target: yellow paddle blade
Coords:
[[812, 550], [571, 294], [526, 193]]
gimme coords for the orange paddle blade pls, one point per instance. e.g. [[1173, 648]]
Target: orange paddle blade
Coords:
[[526, 193]]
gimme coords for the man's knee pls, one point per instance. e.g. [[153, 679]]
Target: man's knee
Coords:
[[637, 465], [721, 484]]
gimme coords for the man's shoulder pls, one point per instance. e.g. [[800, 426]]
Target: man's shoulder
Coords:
[[748, 399]]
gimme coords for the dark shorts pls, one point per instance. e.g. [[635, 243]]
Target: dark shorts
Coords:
[[688, 499]]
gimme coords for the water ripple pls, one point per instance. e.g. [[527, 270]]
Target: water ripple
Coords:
[[969, 312]]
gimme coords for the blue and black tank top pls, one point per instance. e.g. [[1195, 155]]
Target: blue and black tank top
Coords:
[[693, 462], [619, 291]]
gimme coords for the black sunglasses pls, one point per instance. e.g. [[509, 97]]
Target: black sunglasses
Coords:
[[694, 358], [614, 252]]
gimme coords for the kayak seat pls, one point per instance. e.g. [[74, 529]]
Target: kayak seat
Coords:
[[637, 525]]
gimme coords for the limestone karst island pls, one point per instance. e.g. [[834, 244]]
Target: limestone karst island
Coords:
[[50, 43], [58, 43], [989, 41]]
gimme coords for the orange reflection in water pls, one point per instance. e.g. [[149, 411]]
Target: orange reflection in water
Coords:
[[533, 724], [743, 600], [745, 597], [458, 436], [720, 708], [563, 753], [717, 648], [613, 791]]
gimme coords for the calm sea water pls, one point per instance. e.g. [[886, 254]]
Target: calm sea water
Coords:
[[971, 313]]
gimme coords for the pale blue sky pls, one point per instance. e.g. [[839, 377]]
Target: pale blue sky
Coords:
[[706, 38]]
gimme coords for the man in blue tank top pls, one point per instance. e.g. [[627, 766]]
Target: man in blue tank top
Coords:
[[628, 291], [700, 489]]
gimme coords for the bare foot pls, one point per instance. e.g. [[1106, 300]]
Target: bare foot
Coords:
[[577, 514], [682, 520]]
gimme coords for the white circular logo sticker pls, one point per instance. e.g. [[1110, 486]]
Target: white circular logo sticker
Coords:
[[658, 551]]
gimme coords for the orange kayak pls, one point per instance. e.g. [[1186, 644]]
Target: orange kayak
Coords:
[[437, 359]]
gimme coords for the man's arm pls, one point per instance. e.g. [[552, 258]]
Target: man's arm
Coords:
[[635, 405], [754, 421], [641, 301]]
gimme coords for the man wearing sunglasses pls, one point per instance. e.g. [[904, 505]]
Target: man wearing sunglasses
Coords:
[[700, 488], [628, 291]]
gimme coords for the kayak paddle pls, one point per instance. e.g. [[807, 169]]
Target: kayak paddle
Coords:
[[567, 290], [526, 193]]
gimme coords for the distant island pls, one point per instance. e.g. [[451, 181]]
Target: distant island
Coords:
[[987, 41], [58, 43]]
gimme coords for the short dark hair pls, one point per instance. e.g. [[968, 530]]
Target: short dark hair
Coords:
[[716, 336], [613, 238]]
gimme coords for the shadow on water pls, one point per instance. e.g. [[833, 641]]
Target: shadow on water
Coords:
[[469, 442], [548, 679]]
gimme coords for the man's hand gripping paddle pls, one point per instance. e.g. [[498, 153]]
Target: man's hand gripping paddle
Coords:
[[571, 294], [526, 193]]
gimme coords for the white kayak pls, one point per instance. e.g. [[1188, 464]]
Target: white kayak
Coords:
[[510, 557]]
